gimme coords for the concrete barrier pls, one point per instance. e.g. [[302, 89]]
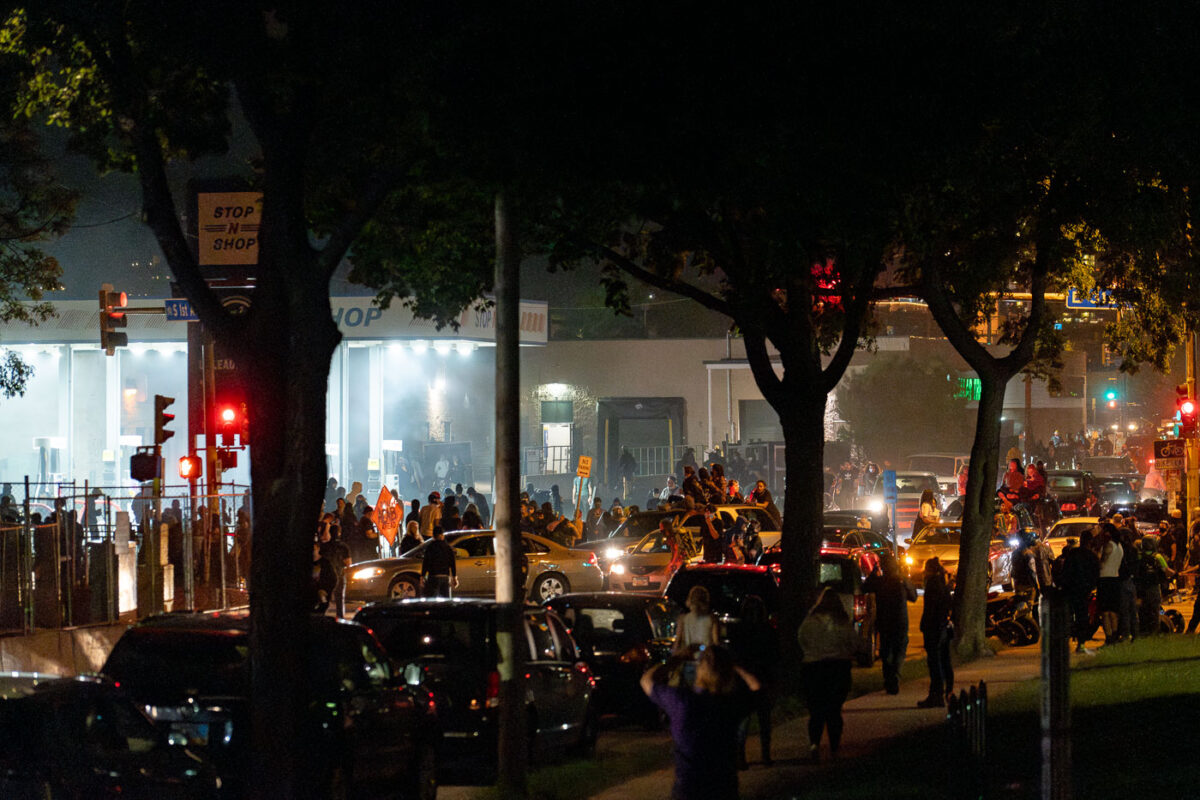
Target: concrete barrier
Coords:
[[70, 651]]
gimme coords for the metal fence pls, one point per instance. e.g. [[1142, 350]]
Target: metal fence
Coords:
[[652, 459], [73, 554], [554, 459], [966, 727]]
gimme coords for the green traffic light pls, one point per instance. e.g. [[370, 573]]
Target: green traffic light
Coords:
[[1111, 394]]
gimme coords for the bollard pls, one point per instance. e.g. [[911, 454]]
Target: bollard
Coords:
[[1056, 697]]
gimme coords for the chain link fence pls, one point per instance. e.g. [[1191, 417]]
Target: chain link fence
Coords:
[[74, 554]]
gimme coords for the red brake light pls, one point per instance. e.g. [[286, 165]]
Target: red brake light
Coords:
[[860, 607], [592, 562], [492, 694], [638, 654], [1068, 507]]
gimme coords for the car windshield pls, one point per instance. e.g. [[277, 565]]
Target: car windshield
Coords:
[[655, 542], [1064, 481], [726, 590], [938, 534], [941, 465], [1115, 486]]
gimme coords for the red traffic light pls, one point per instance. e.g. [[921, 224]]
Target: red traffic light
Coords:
[[189, 467], [1187, 407], [228, 415]]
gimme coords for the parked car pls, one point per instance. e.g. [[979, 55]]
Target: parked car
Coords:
[[633, 530], [1068, 528], [909, 488], [877, 521], [1117, 495], [620, 636], [84, 738], [645, 568], [852, 537], [1114, 467], [729, 584], [942, 540], [450, 647], [1069, 489], [190, 672], [552, 570]]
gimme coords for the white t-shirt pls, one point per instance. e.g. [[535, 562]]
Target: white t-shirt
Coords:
[[1110, 565]]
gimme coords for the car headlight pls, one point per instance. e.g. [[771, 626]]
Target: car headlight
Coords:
[[875, 506], [908, 560], [617, 569], [1014, 542], [366, 574], [613, 552]]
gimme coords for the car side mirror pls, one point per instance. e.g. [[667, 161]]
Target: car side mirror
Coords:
[[907, 541]]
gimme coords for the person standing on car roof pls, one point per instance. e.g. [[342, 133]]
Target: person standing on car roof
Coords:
[[892, 593], [704, 723], [937, 629], [761, 497], [439, 570]]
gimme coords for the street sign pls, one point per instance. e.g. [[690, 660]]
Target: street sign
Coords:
[[889, 486], [179, 311], [585, 467], [1168, 454], [1097, 299]]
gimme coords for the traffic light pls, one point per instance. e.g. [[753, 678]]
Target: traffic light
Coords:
[[143, 465], [1110, 397], [162, 418], [111, 319], [190, 467], [227, 417], [1187, 418]]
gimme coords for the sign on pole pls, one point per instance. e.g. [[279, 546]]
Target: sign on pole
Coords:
[[179, 310], [1168, 454], [227, 227], [585, 467]]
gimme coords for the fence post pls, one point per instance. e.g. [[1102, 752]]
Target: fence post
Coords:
[[966, 724], [1056, 697]]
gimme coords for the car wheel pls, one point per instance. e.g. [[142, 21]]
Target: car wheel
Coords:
[[586, 746], [549, 586], [403, 586], [422, 782]]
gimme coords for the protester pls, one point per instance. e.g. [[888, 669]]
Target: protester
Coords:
[[893, 593], [338, 554], [322, 582], [755, 644], [937, 629], [1080, 573], [695, 630], [704, 722], [828, 643], [439, 572], [412, 536]]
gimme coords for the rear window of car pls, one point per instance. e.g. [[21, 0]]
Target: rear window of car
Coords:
[[1064, 481], [915, 484], [419, 636], [839, 573], [637, 526], [210, 663], [727, 590]]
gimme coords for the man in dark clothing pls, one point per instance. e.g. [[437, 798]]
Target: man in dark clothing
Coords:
[[1080, 574], [692, 487], [892, 593], [323, 581], [415, 514], [761, 497], [937, 631], [338, 555], [712, 545], [438, 569], [481, 505], [365, 544]]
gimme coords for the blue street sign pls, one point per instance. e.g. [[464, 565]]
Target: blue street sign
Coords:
[[179, 311], [889, 486], [1097, 299]]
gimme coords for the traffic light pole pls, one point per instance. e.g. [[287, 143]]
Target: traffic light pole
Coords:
[[1191, 463]]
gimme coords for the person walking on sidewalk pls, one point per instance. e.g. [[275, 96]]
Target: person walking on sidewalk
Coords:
[[755, 645], [704, 721], [829, 643], [893, 593], [937, 631]]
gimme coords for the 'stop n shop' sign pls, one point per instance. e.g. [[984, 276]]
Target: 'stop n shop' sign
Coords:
[[228, 224]]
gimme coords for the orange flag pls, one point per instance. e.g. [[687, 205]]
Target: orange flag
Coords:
[[387, 515]]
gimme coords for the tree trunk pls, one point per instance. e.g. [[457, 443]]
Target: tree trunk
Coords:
[[970, 596], [802, 417], [512, 758], [292, 341]]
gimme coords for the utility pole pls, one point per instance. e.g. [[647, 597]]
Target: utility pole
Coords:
[[1191, 462]]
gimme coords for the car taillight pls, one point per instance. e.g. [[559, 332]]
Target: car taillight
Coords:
[[638, 654], [592, 562], [492, 695], [860, 607], [1068, 507]]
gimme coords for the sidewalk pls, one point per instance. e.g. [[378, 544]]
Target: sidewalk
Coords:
[[871, 720]]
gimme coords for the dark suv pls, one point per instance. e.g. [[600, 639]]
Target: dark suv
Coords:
[[191, 673], [450, 647]]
